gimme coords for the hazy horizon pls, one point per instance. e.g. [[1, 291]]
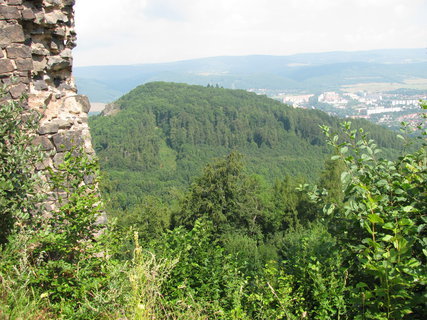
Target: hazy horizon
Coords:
[[158, 31]]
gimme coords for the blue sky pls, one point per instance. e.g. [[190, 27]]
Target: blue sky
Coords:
[[112, 32]]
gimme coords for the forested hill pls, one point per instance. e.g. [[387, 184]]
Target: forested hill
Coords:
[[164, 133]]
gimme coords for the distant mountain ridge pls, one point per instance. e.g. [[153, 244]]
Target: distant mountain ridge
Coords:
[[308, 72]]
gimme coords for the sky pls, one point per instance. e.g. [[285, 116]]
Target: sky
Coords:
[[123, 32]]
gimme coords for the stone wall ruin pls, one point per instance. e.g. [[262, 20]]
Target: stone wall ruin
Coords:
[[36, 39]]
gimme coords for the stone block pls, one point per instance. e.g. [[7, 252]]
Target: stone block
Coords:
[[52, 3], [44, 143], [59, 31], [24, 79], [65, 141], [1, 53], [18, 51], [65, 87], [63, 124], [6, 66], [7, 13], [66, 53], [84, 101], [14, 2], [57, 63], [40, 85], [76, 104], [39, 64], [11, 33], [54, 17], [24, 64], [28, 14], [39, 49], [17, 91], [48, 127], [44, 164], [58, 159]]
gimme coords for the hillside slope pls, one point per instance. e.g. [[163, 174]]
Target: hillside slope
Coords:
[[164, 133]]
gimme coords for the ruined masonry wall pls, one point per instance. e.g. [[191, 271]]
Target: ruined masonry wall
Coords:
[[36, 39]]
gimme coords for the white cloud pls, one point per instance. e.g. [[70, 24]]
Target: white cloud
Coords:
[[140, 31]]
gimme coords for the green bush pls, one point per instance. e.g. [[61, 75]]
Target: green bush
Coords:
[[18, 159]]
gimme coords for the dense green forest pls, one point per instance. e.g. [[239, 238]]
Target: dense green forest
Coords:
[[165, 133], [348, 244]]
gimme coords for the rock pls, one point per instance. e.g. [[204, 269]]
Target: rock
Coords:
[[7, 13], [49, 127], [28, 14], [43, 142], [17, 91], [18, 51], [25, 79], [65, 141], [59, 31], [63, 124], [57, 63], [39, 63], [66, 53], [54, 17], [52, 3], [43, 165], [24, 64], [6, 66], [76, 104], [58, 159], [14, 2], [40, 85], [69, 2], [39, 49], [84, 101], [11, 33], [110, 109], [65, 86]]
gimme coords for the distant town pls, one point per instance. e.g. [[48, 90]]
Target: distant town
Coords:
[[389, 109]]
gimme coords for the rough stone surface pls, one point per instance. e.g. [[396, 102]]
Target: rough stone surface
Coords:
[[7, 13], [43, 142], [16, 91], [14, 2], [65, 141], [18, 51], [28, 14], [24, 64], [49, 127], [36, 38], [40, 85], [6, 66], [11, 33]]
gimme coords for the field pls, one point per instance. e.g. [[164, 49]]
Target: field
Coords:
[[416, 83]]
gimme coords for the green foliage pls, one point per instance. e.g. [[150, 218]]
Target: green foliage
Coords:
[[150, 219], [232, 248], [204, 273], [315, 262], [274, 296], [384, 227], [65, 248], [225, 196], [18, 159], [165, 133]]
